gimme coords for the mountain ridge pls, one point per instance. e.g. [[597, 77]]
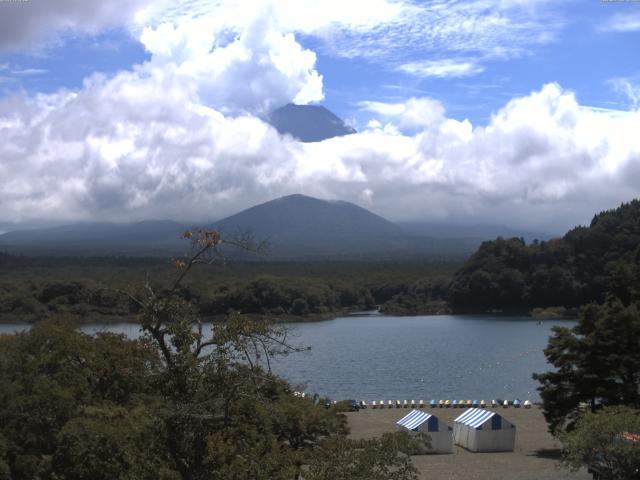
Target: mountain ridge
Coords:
[[297, 227]]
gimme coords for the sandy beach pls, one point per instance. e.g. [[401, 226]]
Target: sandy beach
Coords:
[[536, 454]]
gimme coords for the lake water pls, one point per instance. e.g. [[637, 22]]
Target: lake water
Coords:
[[375, 357]]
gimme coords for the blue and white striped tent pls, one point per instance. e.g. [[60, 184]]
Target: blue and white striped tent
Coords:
[[481, 430], [440, 434]]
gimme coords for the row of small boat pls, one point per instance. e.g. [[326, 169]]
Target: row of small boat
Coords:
[[447, 404]]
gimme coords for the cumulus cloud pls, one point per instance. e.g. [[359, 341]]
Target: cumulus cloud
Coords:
[[180, 136], [257, 70], [143, 146], [414, 113]]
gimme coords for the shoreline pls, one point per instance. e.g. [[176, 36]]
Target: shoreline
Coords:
[[535, 314]]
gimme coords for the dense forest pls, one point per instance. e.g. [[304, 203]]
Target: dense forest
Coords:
[[91, 289], [505, 274], [571, 271]]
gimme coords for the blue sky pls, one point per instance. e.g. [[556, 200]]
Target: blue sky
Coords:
[[587, 49], [468, 110]]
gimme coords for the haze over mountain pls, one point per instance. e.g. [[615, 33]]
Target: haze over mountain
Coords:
[[154, 237], [308, 123], [475, 233], [301, 226], [295, 227]]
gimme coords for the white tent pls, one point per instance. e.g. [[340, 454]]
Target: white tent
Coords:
[[440, 434], [481, 430]]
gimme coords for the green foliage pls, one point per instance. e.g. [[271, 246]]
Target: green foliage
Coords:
[[89, 289], [384, 458], [572, 271], [185, 401], [294, 296], [598, 441], [52, 374], [108, 442], [425, 296], [596, 363]]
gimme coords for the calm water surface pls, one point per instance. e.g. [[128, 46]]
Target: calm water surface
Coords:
[[447, 356], [375, 357]]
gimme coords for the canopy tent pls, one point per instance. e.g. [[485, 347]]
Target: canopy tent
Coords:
[[440, 434], [482, 430]]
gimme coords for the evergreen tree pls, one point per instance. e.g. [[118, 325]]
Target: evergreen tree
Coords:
[[596, 363]]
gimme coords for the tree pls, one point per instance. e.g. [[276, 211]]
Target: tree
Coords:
[[385, 458], [186, 401], [107, 442], [51, 376], [596, 363], [605, 440]]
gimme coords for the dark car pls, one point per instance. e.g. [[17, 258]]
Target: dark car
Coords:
[[352, 405]]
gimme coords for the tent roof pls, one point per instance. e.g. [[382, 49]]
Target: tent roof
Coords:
[[475, 417], [414, 419]]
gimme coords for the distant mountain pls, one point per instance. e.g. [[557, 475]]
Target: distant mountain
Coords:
[[152, 237], [298, 226], [308, 123]]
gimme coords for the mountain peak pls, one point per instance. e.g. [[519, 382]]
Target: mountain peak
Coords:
[[308, 123]]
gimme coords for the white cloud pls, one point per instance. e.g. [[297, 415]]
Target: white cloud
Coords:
[[257, 70], [28, 71], [622, 22], [141, 145], [478, 28], [414, 113], [180, 136], [629, 89], [305, 16], [442, 68]]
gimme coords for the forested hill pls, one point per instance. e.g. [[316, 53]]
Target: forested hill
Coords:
[[581, 267]]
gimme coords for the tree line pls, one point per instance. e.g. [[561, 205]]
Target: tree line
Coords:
[[579, 268], [90, 289]]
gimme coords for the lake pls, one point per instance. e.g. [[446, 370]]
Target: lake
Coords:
[[375, 357]]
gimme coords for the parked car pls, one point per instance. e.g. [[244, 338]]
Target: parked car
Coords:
[[352, 405]]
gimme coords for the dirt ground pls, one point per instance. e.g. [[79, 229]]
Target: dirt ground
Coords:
[[536, 455]]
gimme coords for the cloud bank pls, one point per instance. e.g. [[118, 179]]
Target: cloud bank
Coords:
[[181, 136]]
